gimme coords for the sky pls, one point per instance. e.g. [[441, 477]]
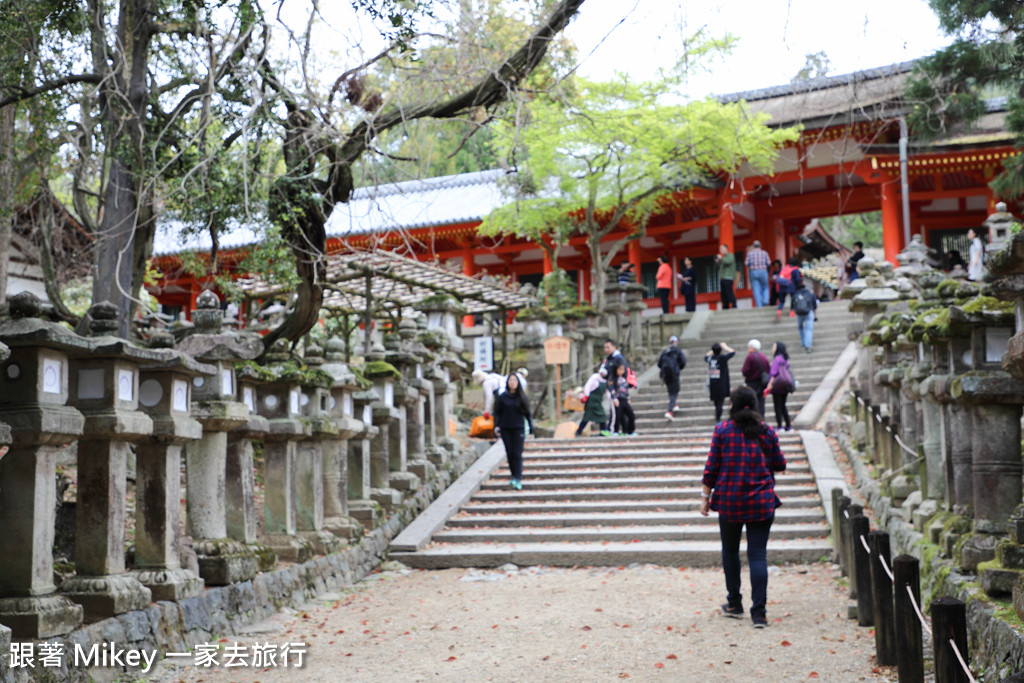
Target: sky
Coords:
[[639, 36]]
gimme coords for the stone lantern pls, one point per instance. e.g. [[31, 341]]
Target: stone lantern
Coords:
[[34, 395], [222, 560], [408, 402], [105, 388], [240, 479], [410, 363], [280, 401], [164, 395], [361, 504], [443, 315], [385, 417], [341, 407], [314, 406]]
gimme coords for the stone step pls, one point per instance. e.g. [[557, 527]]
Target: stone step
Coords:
[[782, 514], [792, 476], [570, 494], [619, 534], [547, 462], [603, 554], [652, 471], [611, 507]]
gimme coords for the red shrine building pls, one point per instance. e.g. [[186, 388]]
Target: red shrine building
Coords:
[[846, 161]]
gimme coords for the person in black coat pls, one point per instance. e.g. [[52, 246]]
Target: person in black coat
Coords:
[[718, 375], [511, 415], [688, 284], [671, 362]]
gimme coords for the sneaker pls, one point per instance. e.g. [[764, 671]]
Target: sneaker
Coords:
[[778, 314], [807, 349], [605, 432], [792, 314], [517, 484], [676, 408], [760, 623], [732, 612], [670, 417]]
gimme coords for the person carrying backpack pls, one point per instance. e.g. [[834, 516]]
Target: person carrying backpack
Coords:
[[786, 281], [804, 304], [671, 362]]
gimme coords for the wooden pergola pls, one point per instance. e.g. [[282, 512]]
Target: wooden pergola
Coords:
[[360, 282]]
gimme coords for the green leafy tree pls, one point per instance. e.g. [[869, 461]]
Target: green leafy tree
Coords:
[[604, 156], [986, 59]]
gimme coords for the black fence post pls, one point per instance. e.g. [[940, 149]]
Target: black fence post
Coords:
[[862, 560], [910, 652], [949, 622], [841, 534], [851, 547], [885, 634]]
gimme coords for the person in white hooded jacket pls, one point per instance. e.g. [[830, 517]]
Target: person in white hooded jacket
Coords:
[[492, 384]]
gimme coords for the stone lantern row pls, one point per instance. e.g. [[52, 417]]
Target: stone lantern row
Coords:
[[340, 450], [938, 396]]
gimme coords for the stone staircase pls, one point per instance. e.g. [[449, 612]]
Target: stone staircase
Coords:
[[614, 501]]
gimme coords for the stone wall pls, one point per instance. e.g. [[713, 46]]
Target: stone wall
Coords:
[[224, 611]]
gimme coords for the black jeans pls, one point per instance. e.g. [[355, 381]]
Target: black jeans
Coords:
[[673, 397], [781, 414], [690, 294], [757, 560], [625, 419], [728, 296], [663, 293], [513, 440], [759, 392]]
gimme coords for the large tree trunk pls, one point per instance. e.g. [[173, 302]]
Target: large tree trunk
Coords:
[[597, 274], [6, 193]]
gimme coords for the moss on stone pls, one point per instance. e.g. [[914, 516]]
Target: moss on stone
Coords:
[[947, 288], [381, 368], [989, 304]]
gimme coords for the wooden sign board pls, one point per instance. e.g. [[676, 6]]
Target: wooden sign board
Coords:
[[556, 350]]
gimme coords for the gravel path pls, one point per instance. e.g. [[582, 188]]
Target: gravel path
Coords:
[[542, 624]]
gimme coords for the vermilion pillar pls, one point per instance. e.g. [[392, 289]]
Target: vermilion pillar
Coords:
[[891, 229], [725, 221]]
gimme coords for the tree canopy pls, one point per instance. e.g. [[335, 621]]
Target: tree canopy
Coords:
[[595, 157], [985, 60]]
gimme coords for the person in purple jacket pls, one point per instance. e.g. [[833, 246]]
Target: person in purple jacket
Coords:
[[739, 484]]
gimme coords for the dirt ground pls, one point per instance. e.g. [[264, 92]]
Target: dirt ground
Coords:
[[543, 624]]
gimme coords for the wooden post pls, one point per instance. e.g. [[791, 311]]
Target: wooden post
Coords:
[[910, 650], [367, 318], [860, 526], [885, 634], [840, 535], [837, 495], [949, 622], [558, 393], [851, 550]]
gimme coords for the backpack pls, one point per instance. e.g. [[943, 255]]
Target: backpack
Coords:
[[803, 301], [631, 378]]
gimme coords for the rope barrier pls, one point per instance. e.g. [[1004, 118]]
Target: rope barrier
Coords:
[[960, 658], [864, 543], [885, 568], [918, 610], [846, 513], [904, 446]]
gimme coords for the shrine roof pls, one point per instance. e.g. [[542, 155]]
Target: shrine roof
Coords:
[[831, 100]]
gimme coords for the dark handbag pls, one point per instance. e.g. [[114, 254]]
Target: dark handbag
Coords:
[[783, 381], [765, 378]]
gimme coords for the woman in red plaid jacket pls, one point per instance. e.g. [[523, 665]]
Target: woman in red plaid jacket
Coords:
[[739, 483]]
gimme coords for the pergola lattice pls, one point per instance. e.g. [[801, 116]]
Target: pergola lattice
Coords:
[[357, 282]]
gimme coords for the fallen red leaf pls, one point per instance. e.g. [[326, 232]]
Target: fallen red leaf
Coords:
[[813, 674], [659, 665], [451, 659], [671, 657], [785, 643]]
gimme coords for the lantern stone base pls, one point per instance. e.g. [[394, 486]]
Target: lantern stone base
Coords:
[[170, 584], [344, 527], [323, 541], [290, 548], [40, 617], [368, 513], [406, 482], [108, 595], [223, 561], [387, 498]]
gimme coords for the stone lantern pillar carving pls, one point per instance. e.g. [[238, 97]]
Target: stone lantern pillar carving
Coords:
[[341, 406], [34, 396], [222, 560], [164, 389], [105, 388]]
